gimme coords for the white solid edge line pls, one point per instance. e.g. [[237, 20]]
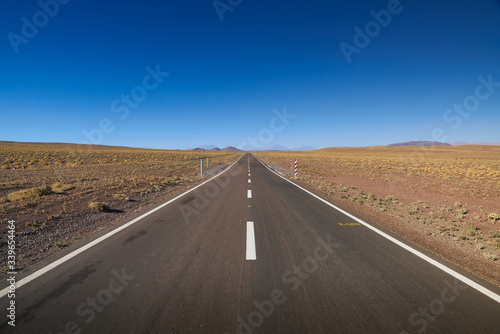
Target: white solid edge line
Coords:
[[251, 255], [67, 257], [249, 193], [424, 257]]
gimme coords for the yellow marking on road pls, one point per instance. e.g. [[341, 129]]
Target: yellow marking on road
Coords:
[[349, 224]]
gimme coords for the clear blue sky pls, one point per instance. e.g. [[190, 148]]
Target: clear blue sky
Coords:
[[226, 76]]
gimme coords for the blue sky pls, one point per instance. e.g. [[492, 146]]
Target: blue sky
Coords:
[[225, 77]]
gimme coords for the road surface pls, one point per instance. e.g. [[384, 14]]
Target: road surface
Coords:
[[248, 252]]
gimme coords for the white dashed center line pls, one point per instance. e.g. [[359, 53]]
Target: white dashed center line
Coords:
[[249, 193], [251, 242]]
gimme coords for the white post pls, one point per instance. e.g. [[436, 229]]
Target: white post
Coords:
[[201, 167], [207, 162]]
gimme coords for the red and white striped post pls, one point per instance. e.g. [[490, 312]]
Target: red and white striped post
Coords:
[[295, 170], [291, 164]]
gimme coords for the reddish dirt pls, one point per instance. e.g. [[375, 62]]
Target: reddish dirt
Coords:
[[430, 206]]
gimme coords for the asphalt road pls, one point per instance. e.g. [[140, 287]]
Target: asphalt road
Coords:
[[223, 259]]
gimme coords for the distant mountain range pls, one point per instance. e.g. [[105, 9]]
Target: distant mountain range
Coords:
[[436, 143], [216, 149], [250, 148], [419, 143]]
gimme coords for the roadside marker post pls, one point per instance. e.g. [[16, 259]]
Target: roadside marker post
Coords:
[[201, 167], [207, 162], [291, 164], [295, 171]]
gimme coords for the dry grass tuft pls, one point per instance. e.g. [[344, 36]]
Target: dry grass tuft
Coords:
[[60, 244], [60, 188], [30, 193], [98, 206], [494, 216], [121, 197], [37, 192], [490, 257]]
